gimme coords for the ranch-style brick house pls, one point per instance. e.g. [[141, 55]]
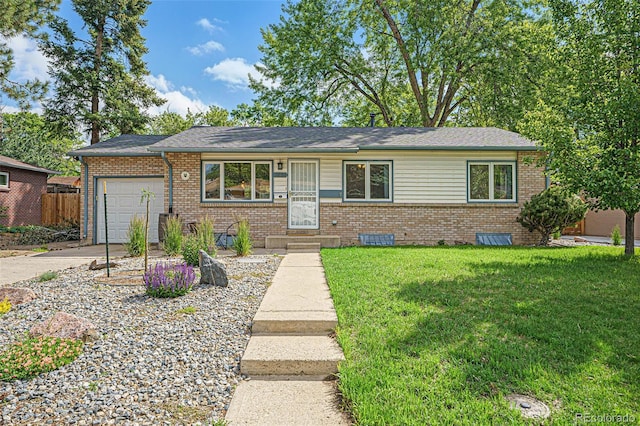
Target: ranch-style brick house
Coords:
[[325, 184]]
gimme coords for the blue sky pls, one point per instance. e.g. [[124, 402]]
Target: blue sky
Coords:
[[200, 51]]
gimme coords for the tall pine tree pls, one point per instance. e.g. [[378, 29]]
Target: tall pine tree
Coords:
[[99, 79], [21, 17]]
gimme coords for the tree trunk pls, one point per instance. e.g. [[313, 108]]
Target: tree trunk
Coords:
[[629, 234], [544, 241], [95, 90]]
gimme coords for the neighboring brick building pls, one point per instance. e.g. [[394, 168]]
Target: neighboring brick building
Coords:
[[422, 185], [21, 189]]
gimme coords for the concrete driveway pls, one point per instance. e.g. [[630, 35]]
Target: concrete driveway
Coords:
[[19, 268]]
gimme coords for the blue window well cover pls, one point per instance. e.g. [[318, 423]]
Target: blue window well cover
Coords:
[[377, 239], [493, 239]]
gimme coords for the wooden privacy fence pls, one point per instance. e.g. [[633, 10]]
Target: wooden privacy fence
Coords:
[[60, 208]]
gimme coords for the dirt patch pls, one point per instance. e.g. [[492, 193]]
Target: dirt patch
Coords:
[[530, 407], [13, 253], [130, 277]]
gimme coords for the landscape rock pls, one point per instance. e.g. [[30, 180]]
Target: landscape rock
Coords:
[[94, 266], [66, 326], [212, 271], [17, 295]]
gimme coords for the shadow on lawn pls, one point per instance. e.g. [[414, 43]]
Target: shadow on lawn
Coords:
[[515, 325]]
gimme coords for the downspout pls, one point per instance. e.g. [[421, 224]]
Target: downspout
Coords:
[[170, 166], [85, 210]]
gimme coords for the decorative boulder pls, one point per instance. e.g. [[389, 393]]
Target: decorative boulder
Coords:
[[212, 271], [66, 326], [17, 295]]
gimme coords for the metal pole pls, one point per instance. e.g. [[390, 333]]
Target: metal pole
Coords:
[[106, 226]]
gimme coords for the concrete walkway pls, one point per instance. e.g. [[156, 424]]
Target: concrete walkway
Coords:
[[291, 358], [25, 267]]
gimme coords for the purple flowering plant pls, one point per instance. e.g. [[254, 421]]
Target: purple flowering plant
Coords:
[[169, 280]]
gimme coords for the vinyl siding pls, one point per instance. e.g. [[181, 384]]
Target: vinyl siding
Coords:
[[418, 176]]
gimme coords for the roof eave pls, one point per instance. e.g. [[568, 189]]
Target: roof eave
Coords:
[[255, 150], [449, 148], [31, 169], [112, 154]]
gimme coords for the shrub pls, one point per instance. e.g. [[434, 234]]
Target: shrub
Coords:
[[5, 306], [206, 237], [36, 355], [166, 280], [172, 236], [551, 210], [135, 245], [616, 236], [191, 250], [47, 276], [242, 243]]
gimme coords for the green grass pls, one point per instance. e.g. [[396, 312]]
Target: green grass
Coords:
[[441, 335], [187, 310]]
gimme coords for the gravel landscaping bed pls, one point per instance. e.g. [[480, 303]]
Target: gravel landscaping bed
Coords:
[[155, 363]]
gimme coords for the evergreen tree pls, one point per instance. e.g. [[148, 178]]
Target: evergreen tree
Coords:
[[99, 79], [21, 17]]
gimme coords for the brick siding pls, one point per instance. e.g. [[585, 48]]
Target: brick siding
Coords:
[[424, 223], [115, 166], [24, 197]]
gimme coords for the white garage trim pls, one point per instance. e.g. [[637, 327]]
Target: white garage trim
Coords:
[[123, 201]]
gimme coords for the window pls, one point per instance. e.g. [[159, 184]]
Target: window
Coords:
[[4, 180], [367, 180], [236, 181], [492, 181]]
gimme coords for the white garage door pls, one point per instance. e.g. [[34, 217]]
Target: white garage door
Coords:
[[123, 201]]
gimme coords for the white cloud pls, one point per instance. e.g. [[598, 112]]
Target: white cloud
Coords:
[[234, 71], [208, 47], [179, 101], [206, 25], [30, 63], [160, 83]]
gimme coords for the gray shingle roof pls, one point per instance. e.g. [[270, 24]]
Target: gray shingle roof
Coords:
[[10, 162], [123, 145], [311, 139], [336, 139]]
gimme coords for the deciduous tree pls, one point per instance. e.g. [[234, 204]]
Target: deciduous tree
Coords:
[[413, 62], [27, 137], [592, 127]]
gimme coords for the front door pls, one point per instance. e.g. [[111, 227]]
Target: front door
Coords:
[[303, 194]]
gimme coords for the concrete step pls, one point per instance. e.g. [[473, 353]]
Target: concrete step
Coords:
[[310, 323], [285, 403], [291, 356], [281, 241], [303, 247]]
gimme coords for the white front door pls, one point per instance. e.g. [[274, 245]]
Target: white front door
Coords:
[[303, 194]]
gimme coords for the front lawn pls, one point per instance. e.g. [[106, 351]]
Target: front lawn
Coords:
[[441, 335]]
